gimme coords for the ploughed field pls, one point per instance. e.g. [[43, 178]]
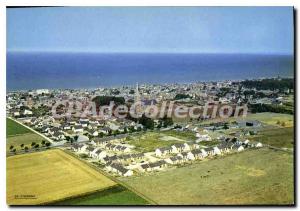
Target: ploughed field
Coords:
[[260, 176], [48, 176]]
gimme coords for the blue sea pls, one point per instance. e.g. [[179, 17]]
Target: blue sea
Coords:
[[89, 70]]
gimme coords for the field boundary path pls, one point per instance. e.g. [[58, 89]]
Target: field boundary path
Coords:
[[152, 202]]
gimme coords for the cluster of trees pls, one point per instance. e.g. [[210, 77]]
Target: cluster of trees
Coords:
[[258, 108], [165, 122], [223, 91], [40, 111], [148, 123], [271, 84], [258, 94], [105, 100], [181, 96], [33, 145]]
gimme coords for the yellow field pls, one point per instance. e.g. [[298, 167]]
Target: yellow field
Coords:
[[49, 176]]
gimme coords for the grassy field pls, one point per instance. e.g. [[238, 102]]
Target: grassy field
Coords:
[[49, 176], [266, 118], [252, 177], [18, 134], [185, 135], [149, 142], [279, 137], [116, 195], [25, 139], [13, 128], [273, 118]]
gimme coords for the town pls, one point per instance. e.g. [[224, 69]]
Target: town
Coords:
[[122, 147]]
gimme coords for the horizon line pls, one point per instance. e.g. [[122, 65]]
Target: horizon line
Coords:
[[147, 52]]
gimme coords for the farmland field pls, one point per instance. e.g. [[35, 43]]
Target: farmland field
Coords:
[[261, 176], [13, 128], [116, 195], [48, 176]]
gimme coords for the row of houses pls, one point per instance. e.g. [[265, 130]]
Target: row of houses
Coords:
[[119, 169], [198, 154]]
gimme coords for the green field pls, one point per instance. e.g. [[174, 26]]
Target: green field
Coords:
[[185, 135], [261, 176], [149, 141], [13, 128], [277, 137], [273, 118], [25, 139], [116, 195], [266, 118], [18, 135]]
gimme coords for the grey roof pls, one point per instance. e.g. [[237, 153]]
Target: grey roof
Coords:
[[119, 167], [77, 127], [163, 149], [178, 145], [196, 151]]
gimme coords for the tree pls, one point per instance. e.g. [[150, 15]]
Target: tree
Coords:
[[68, 138], [11, 147], [43, 142], [33, 144], [101, 134], [148, 123], [36, 146], [14, 150], [181, 96], [48, 144], [167, 121], [26, 149]]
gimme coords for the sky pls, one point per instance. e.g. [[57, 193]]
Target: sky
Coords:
[[266, 30]]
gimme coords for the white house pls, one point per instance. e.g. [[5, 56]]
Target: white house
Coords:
[[80, 148], [177, 148], [217, 151], [119, 169], [160, 152], [198, 154], [187, 156], [27, 112], [98, 154], [204, 137], [174, 160], [93, 132], [77, 128]]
